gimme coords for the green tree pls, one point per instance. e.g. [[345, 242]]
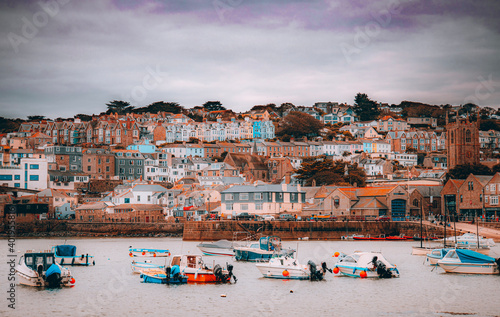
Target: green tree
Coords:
[[463, 171], [325, 171], [155, 107], [298, 124], [489, 124], [213, 106], [36, 118], [365, 108], [83, 117], [119, 106]]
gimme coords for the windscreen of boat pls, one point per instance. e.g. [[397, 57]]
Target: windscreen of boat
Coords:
[[351, 258], [254, 246], [469, 256], [66, 250]]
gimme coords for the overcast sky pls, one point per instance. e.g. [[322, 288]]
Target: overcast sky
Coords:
[[69, 57]]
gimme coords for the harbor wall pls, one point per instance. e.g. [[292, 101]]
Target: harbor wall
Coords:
[[293, 230]]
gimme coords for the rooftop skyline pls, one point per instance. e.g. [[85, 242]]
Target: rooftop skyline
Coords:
[[61, 58]]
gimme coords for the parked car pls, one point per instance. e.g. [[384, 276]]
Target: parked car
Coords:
[[267, 218], [383, 218], [245, 216], [287, 217]]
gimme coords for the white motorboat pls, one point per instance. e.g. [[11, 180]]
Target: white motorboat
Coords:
[[351, 237], [221, 247], [65, 254], [470, 240], [286, 267], [421, 250], [365, 264], [435, 255], [39, 269], [468, 262], [264, 250]]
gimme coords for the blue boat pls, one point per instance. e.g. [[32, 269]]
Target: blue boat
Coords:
[[148, 252], [262, 251], [436, 255], [168, 276], [138, 267], [66, 255]]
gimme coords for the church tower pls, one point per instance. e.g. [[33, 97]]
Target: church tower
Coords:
[[462, 141]]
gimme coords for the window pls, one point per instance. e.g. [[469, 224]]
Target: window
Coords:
[[34, 178], [138, 198], [89, 168], [258, 206], [17, 185], [17, 177], [229, 197], [486, 199], [480, 197], [122, 162], [6, 177], [494, 200], [34, 166], [131, 171], [468, 137], [244, 206], [258, 196], [461, 198], [493, 188], [415, 202], [229, 206], [107, 168], [471, 185], [243, 196]]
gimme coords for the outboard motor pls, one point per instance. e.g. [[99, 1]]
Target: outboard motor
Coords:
[[325, 268], [218, 273], [53, 276], [230, 273], [168, 271], [382, 270], [498, 264], [315, 274], [175, 271]]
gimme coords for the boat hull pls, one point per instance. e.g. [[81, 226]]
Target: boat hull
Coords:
[[301, 273], [148, 253], [421, 251], [82, 260], [258, 255], [162, 279], [216, 251], [469, 268], [354, 271], [31, 278], [138, 267]]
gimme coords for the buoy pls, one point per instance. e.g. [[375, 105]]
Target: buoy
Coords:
[[291, 291], [336, 270], [336, 254], [286, 273], [168, 253], [130, 254], [363, 274], [143, 252], [72, 281], [154, 255]]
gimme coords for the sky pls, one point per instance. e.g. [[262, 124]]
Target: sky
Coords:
[[59, 58]]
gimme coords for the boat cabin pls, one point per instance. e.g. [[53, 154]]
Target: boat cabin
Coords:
[[191, 261], [270, 243], [33, 260]]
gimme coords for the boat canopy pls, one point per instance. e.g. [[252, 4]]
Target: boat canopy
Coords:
[[66, 250], [222, 244], [469, 256]]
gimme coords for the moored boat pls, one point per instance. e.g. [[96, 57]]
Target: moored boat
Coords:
[[435, 255], [351, 237], [423, 251], [468, 262], [365, 264], [221, 247], [66, 255], [170, 275], [287, 267], [148, 252], [262, 251], [198, 272], [138, 267], [40, 269]]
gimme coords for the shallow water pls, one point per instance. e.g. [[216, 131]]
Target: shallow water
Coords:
[[110, 288]]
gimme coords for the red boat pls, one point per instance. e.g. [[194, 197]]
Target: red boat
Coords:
[[396, 238], [377, 238], [361, 238]]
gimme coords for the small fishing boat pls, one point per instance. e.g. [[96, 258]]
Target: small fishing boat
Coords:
[[423, 251], [468, 262], [148, 252], [40, 269], [435, 255], [221, 247], [286, 267], [170, 275], [138, 267], [381, 237], [396, 238], [365, 264], [262, 251], [198, 272], [66, 255]]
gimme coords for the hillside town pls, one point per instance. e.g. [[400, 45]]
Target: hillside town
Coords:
[[209, 163]]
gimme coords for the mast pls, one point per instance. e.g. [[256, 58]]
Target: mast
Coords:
[[421, 216]]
